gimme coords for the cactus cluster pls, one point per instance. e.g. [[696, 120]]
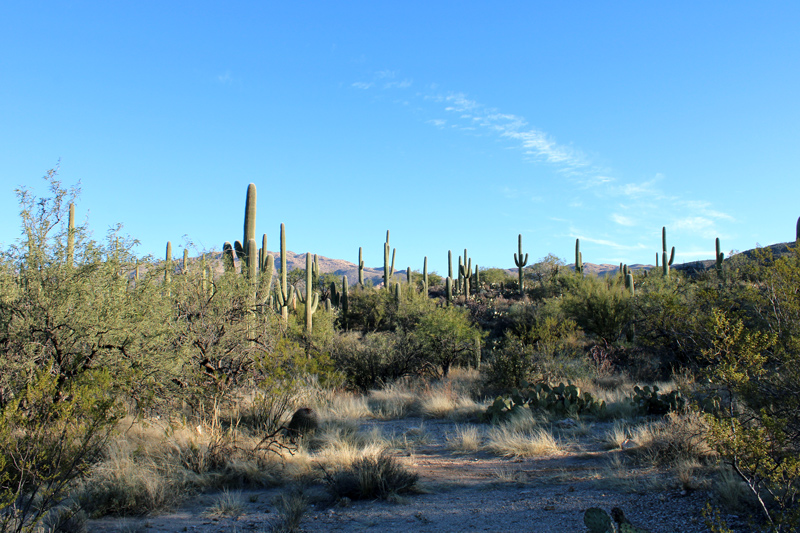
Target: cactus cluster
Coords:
[[649, 402], [561, 400]]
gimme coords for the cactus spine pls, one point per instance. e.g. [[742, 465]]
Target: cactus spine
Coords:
[[71, 236], [520, 261], [578, 257], [666, 263]]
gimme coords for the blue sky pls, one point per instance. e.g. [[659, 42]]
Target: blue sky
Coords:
[[452, 124]]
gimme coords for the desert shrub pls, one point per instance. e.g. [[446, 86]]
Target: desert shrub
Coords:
[[447, 337], [601, 307], [757, 428], [539, 345], [49, 434]]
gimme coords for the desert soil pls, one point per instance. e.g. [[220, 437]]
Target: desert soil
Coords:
[[468, 492]]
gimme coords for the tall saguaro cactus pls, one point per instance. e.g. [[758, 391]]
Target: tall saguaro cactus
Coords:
[[311, 299], [388, 268], [168, 269], [465, 273], [718, 258], [284, 294], [578, 257], [71, 236], [249, 228], [666, 263], [520, 261], [425, 276]]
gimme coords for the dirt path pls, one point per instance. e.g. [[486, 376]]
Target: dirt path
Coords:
[[465, 492]]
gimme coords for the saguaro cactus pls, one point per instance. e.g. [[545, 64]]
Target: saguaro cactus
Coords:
[[388, 268], [666, 263], [168, 268], [425, 276], [450, 264], [465, 273], [520, 261], [448, 287], [284, 297], [185, 268], [718, 258], [249, 228], [344, 301], [71, 236], [311, 299], [227, 257], [629, 283], [578, 257], [360, 269]]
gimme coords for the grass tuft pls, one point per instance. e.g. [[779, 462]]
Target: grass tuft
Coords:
[[378, 476], [506, 441]]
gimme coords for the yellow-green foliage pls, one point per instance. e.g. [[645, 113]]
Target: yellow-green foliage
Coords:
[[49, 434]]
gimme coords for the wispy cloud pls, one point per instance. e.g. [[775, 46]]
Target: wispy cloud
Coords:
[[641, 203], [225, 78], [622, 220]]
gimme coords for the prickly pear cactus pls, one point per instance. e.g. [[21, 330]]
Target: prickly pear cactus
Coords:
[[598, 521]]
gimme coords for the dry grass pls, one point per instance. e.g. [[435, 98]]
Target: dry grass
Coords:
[[679, 437], [290, 509], [343, 406], [467, 439], [503, 476], [393, 402], [617, 435], [226, 504], [372, 476], [506, 441]]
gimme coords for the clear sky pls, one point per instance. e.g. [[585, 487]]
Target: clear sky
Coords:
[[452, 124]]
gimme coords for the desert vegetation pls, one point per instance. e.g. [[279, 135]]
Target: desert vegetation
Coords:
[[128, 384]]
